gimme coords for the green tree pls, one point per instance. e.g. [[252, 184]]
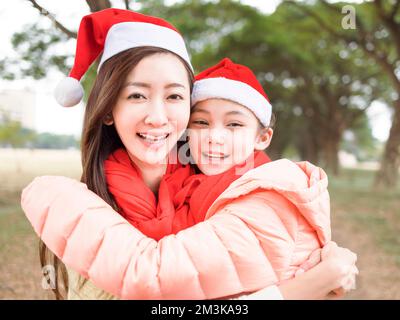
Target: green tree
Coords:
[[13, 135], [34, 46], [377, 36], [55, 141], [360, 141], [318, 87], [328, 85]]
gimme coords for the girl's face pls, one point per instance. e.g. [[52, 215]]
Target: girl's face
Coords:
[[222, 134], [153, 108]]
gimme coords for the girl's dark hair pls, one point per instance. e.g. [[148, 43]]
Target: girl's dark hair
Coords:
[[99, 140], [271, 125]]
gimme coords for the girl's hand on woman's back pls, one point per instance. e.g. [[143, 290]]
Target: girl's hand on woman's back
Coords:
[[343, 264], [311, 262]]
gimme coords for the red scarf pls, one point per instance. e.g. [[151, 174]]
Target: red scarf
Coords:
[[183, 196]]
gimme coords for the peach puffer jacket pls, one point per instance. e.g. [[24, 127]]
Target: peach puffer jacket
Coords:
[[256, 234]]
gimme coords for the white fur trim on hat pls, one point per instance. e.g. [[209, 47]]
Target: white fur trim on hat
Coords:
[[235, 91], [127, 35], [68, 92]]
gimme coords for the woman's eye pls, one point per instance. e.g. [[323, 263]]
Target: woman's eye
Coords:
[[235, 124], [136, 96], [175, 97]]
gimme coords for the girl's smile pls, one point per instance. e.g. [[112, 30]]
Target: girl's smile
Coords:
[[214, 158]]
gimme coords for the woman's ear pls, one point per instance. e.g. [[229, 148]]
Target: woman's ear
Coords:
[[263, 139], [108, 121]]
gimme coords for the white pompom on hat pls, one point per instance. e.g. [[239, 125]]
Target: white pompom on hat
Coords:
[[110, 32], [69, 92], [234, 82]]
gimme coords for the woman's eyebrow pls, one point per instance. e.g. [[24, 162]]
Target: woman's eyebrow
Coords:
[[137, 84], [174, 85], [147, 85]]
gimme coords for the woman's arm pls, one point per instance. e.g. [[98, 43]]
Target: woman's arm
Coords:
[[212, 259], [209, 260]]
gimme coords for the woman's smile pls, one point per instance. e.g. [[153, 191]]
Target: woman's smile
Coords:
[[153, 141]]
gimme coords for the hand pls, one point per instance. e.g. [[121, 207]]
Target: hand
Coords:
[[343, 266], [312, 261]]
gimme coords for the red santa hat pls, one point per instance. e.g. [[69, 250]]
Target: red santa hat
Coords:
[[112, 31], [234, 82]]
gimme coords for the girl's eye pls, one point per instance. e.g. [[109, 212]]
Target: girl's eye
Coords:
[[175, 97], [200, 122], [136, 96], [235, 124]]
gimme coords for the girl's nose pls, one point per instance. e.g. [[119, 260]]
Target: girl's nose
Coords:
[[157, 114], [216, 136]]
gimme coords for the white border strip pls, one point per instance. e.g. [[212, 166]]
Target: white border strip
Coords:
[[126, 35], [236, 91]]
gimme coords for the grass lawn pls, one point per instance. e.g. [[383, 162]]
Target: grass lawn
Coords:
[[20, 274], [374, 212], [368, 222]]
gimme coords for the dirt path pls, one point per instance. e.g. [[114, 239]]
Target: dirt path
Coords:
[[379, 276], [20, 273]]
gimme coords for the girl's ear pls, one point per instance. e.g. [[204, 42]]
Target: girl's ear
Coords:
[[263, 139], [108, 121]]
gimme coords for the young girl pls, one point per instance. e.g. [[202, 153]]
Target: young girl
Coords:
[[140, 90]]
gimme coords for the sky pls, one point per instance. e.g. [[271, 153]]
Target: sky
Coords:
[[51, 117]]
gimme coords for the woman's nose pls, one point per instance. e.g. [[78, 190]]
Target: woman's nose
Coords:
[[157, 114]]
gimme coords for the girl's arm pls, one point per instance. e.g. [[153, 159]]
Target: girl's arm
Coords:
[[209, 260], [337, 270]]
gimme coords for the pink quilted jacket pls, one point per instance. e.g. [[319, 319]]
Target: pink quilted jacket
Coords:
[[257, 233]]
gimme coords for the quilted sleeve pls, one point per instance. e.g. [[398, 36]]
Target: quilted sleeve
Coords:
[[216, 258]]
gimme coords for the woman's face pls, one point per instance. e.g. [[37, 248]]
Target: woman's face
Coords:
[[153, 108]]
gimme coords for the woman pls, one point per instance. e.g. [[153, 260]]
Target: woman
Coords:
[[154, 73]]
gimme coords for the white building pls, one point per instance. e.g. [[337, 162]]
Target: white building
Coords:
[[19, 105]]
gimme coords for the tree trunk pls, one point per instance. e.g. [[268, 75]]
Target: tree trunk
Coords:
[[330, 149], [307, 146], [309, 153], [331, 156], [388, 175]]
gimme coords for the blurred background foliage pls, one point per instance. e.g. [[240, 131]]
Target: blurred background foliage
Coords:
[[321, 78]]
